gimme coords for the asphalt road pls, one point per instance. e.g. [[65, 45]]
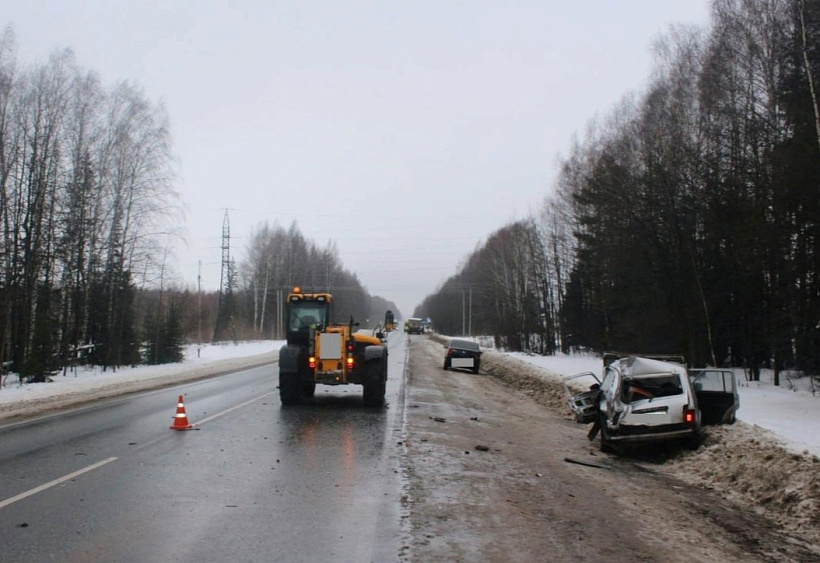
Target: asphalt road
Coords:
[[253, 481]]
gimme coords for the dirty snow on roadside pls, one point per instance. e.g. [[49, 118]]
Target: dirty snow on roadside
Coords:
[[766, 462], [791, 411]]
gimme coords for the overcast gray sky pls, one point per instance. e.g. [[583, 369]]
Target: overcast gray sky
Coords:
[[407, 132]]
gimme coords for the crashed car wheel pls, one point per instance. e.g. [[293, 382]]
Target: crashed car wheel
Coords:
[[694, 442], [606, 443]]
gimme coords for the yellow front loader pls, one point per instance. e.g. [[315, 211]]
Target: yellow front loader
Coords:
[[321, 351]]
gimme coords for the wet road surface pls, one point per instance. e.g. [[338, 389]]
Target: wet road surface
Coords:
[[252, 482]]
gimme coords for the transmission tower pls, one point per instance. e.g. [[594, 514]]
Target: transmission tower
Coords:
[[224, 318]]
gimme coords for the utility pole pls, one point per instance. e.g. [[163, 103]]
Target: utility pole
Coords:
[[470, 315], [279, 313], [199, 309], [224, 317], [463, 313], [467, 309]]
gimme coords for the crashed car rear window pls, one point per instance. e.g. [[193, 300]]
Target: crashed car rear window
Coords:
[[642, 388], [464, 345]]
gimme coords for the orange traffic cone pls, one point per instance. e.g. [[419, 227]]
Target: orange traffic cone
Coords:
[[181, 419]]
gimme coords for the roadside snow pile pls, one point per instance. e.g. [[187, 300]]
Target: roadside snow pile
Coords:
[[748, 466], [543, 386], [89, 383], [744, 463]]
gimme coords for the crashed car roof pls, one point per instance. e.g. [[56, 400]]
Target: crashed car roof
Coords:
[[637, 367]]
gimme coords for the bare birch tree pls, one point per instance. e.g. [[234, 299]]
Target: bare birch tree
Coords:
[[804, 36]]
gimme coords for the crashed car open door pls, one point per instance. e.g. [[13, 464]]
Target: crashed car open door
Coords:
[[584, 406], [718, 398]]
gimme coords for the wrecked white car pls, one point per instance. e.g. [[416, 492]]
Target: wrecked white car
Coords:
[[640, 399]]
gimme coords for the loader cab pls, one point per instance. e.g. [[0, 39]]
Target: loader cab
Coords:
[[306, 312]]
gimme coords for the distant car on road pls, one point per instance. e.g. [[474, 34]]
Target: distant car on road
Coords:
[[462, 354]]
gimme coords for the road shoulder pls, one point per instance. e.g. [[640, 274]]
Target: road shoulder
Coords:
[[489, 481]]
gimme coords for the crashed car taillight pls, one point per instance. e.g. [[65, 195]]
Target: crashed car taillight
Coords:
[[688, 415]]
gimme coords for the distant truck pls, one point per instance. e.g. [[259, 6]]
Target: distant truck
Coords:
[[414, 326]]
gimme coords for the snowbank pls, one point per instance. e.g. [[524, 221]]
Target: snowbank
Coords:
[[791, 411], [767, 461], [88, 383]]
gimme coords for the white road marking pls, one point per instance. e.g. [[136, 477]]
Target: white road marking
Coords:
[[239, 406], [50, 484]]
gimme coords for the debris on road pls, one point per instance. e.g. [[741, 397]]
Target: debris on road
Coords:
[[600, 465]]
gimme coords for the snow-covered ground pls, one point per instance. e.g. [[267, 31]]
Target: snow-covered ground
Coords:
[[88, 383], [791, 411]]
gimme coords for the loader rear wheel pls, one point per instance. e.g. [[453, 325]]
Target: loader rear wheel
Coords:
[[374, 384], [290, 392]]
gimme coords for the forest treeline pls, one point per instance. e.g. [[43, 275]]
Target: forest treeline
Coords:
[[85, 198], [88, 210], [685, 221], [277, 260]]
